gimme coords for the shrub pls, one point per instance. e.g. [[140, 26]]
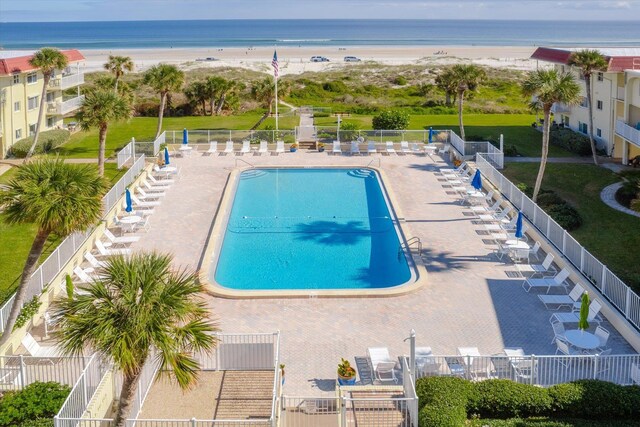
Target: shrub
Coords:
[[37, 400], [400, 81], [570, 140], [594, 399], [39, 422], [319, 114], [442, 401], [391, 119], [506, 399], [47, 141], [629, 191], [566, 216], [511, 151], [335, 86], [29, 309], [548, 199]]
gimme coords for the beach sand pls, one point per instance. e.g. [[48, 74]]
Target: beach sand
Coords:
[[296, 60]]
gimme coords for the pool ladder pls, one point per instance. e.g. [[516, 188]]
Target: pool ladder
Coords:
[[414, 241]]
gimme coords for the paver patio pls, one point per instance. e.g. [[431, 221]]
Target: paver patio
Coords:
[[471, 298]]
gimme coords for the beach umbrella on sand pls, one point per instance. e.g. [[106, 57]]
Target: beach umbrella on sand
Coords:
[[430, 135], [477, 180], [185, 136], [127, 197], [583, 323], [166, 156], [519, 226]]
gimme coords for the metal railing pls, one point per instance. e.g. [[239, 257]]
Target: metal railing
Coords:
[[112, 197], [628, 132], [328, 134], [150, 148], [65, 82], [610, 286], [378, 411], [17, 372], [125, 154], [64, 107], [237, 136], [410, 392], [309, 411]]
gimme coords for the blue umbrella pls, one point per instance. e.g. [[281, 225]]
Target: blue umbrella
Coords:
[[127, 197], [519, 226], [430, 135], [185, 136], [477, 180], [166, 156]]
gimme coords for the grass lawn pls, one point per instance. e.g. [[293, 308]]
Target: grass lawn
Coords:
[[85, 144], [15, 241], [516, 129], [608, 234]]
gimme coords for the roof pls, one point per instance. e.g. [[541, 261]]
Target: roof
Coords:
[[618, 59], [10, 64]]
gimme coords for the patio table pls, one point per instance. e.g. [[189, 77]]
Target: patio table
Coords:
[[130, 221], [582, 339]]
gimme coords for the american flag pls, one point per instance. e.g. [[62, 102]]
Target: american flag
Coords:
[[274, 64]]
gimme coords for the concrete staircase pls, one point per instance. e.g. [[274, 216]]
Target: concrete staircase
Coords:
[[245, 395]]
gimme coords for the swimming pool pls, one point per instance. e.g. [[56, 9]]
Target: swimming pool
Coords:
[[310, 229]]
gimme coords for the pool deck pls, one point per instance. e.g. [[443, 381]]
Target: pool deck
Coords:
[[470, 299]]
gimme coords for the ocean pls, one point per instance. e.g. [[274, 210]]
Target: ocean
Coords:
[[248, 33]]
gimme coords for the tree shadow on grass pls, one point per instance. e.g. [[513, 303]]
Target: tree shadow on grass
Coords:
[[332, 233]]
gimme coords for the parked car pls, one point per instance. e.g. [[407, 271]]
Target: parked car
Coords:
[[319, 59], [351, 59]]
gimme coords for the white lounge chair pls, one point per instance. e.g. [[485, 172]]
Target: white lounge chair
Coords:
[[371, 147], [494, 209], [415, 149], [122, 240], [149, 196], [574, 316], [404, 147], [245, 147], [264, 148], [390, 149], [160, 182], [229, 147], [459, 169], [496, 217], [153, 188], [108, 252], [82, 275], [355, 148], [543, 269], [144, 204], [213, 147], [94, 262], [557, 301], [547, 282], [426, 363], [35, 349], [382, 364], [336, 148]]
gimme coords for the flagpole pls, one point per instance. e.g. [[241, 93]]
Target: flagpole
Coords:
[[276, 77]]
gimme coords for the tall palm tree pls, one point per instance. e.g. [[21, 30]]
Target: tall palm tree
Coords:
[[589, 61], [467, 78], [48, 60], [99, 108], [264, 92], [445, 81], [227, 89], [196, 93], [163, 79], [117, 65], [139, 305], [57, 197], [549, 87], [214, 85]]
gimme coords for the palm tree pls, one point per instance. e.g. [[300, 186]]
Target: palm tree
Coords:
[[264, 92], [99, 108], [57, 197], [214, 85], [163, 79], [48, 60], [549, 87], [196, 93], [117, 65], [466, 78], [588, 62], [139, 305], [228, 89], [446, 82]]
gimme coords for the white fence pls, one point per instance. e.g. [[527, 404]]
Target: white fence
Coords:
[[150, 148], [410, 393], [17, 372], [112, 197], [237, 136], [328, 134], [125, 154], [484, 149], [609, 285]]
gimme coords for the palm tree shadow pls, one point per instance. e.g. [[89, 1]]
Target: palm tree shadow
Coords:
[[333, 233], [441, 261]]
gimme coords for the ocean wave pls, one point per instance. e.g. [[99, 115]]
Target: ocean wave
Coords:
[[303, 40]]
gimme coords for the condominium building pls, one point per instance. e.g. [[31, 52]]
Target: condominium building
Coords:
[[615, 97], [21, 90]]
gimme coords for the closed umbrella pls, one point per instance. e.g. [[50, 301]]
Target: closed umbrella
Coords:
[[166, 156], [185, 136], [583, 323], [477, 180], [127, 197], [519, 226], [430, 135]]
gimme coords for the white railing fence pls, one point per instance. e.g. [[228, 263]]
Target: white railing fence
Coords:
[[328, 134], [628, 132], [410, 392], [382, 412], [125, 154], [150, 148], [309, 411], [610, 286], [237, 136], [17, 372], [116, 192]]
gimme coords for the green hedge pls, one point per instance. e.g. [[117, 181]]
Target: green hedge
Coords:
[[570, 140], [39, 422], [593, 399], [442, 401], [507, 399], [47, 141], [562, 212], [35, 401]]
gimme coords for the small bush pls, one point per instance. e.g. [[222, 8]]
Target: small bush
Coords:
[[593, 399], [47, 141], [319, 114], [400, 81], [629, 191], [29, 309], [506, 399], [511, 151], [566, 216], [335, 86], [39, 422], [37, 400], [442, 401], [548, 199], [570, 140], [391, 119]]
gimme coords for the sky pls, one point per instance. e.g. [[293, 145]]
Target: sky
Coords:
[[117, 10]]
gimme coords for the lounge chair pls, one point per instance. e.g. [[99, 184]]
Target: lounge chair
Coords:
[[35, 349], [459, 169], [108, 252], [497, 217], [144, 204], [279, 147], [634, 373], [145, 196], [494, 209], [160, 182], [574, 316], [543, 269], [246, 147], [153, 189], [94, 262], [426, 363], [547, 282], [404, 147], [355, 148], [83, 275], [229, 147], [558, 301], [264, 148], [390, 149], [371, 147], [122, 240], [213, 147], [336, 148], [382, 364]]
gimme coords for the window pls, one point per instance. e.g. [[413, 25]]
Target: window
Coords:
[[599, 105], [32, 129], [599, 133], [582, 127], [600, 77], [32, 103], [565, 120], [18, 134], [51, 122], [584, 102], [32, 78], [16, 79], [16, 106], [51, 97]]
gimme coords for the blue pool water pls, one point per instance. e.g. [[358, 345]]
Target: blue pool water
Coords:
[[310, 229]]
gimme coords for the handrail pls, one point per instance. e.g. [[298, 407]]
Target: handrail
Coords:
[[244, 161], [373, 160], [411, 242]]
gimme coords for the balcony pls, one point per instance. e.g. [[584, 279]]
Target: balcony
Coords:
[[629, 133], [560, 108], [620, 94], [65, 107], [65, 82]]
